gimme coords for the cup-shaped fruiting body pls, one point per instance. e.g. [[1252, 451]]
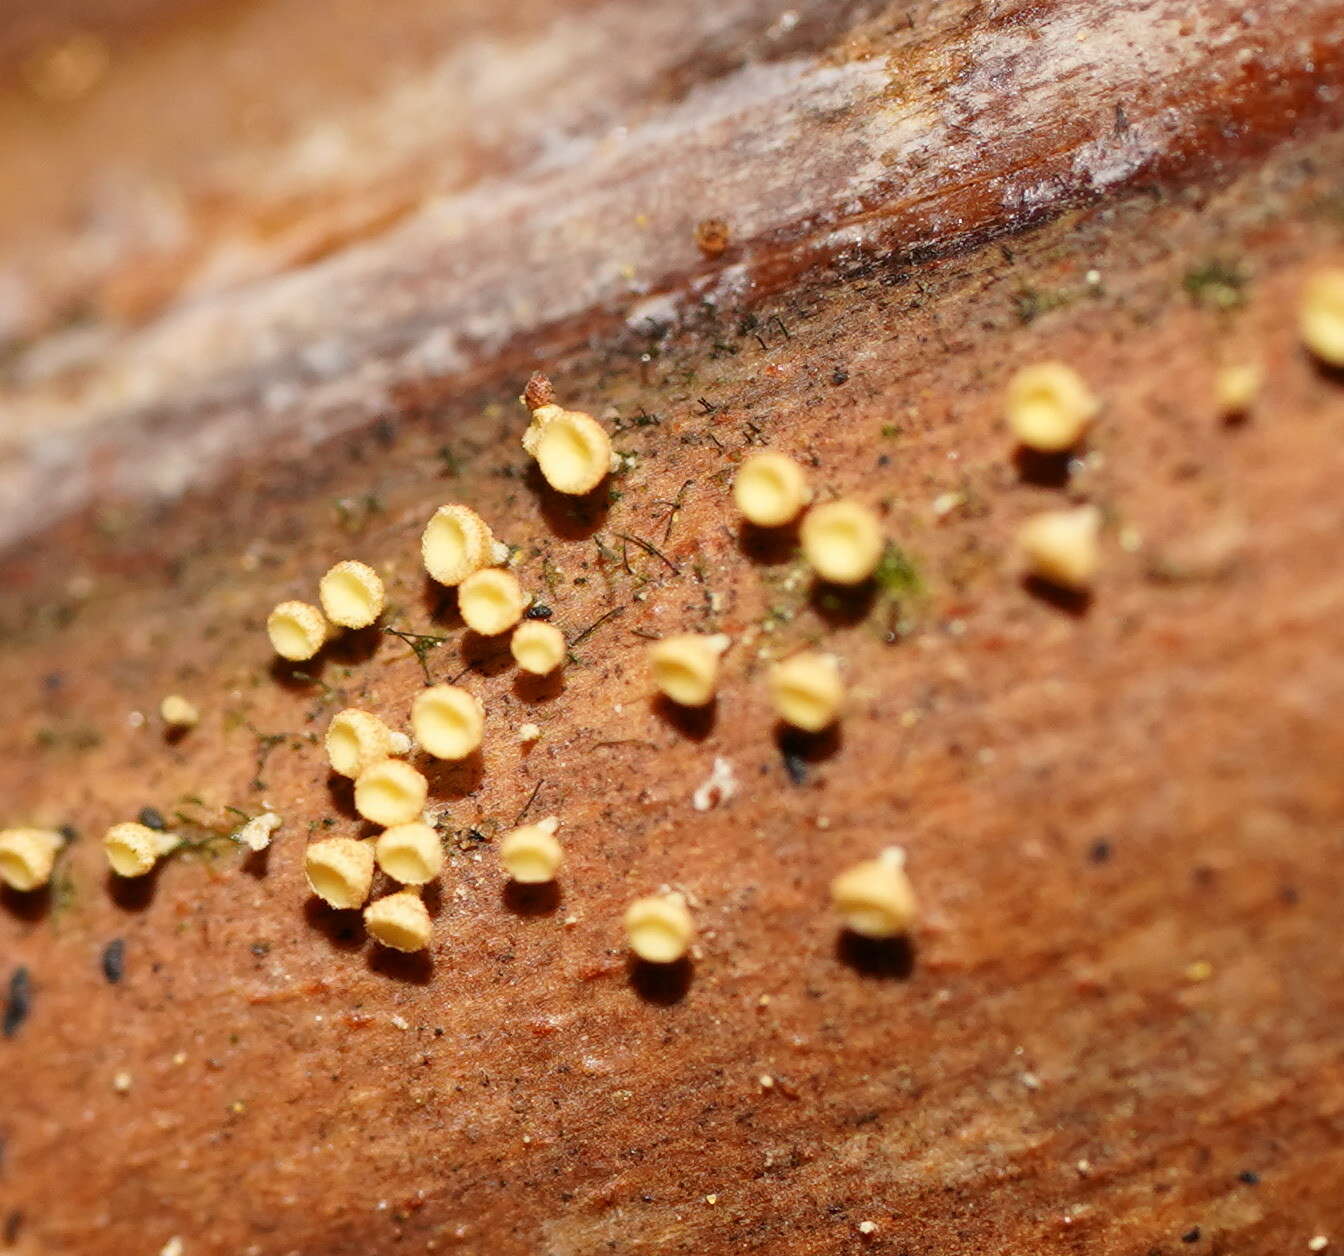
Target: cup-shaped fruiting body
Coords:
[[842, 540], [806, 690], [874, 897], [1321, 316], [491, 601], [659, 928], [390, 793], [572, 450], [297, 630], [410, 853], [178, 712], [685, 667], [448, 722], [1062, 547], [399, 921], [1236, 387], [537, 648], [340, 871], [27, 857], [133, 849], [1049, 407], [356, 740], [351, 594], [770, 489], [531, 855], [455, 543]]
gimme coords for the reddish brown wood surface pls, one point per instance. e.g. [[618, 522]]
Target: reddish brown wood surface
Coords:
[[1118, 1027]]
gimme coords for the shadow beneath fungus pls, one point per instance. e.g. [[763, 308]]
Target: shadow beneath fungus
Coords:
[[133, 893], [486, 656], [355, 645], [533, 689], [439, 603], [299, 677], [802, 750], [415, 968], [175, 734], [843, 605], [257, 863], [343, 929], [888, 959], [1044, 470], [1333, 376], [1075, 602], [531, 900], [771, 547], [341, 790], [663, 984], [453, 778], [570, 518], [30, 905], [432, 897], [694, 722]]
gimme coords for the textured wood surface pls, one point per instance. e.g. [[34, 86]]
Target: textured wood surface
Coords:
[[1117, 1027]]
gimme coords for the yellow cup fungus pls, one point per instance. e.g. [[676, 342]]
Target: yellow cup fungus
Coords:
[[297, 630], [491, 601], [842, 540], [1049, 406], [351, 594], [390, 792], [874, 897], [340, 871], [770, 489], [27, 857], [178, 712], [806, 690], [356, 740], [410, 853], [133, 849], [685, 667], [1062, 546], [531, 854], [1321, 316], [659, 928], [456, 542], [399, 921], [448, 722], [572, 449], [537, 647]]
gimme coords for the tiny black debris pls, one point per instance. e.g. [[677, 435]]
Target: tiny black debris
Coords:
[[114, 960], [1100, 851], [1246, 1177], [796, 766], [538, 610], [1191, 1235], [152, 818], [19, 1003]]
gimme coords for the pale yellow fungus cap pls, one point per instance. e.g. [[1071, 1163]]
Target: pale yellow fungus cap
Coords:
[[685, 667], [1063, 546], [448, 722], [399, 921], [455, 543], [133, 849], [842, 540], [1321, 316], [770, 489], [874, 897], [491, 601], [659, 928], [1049, 407], [537, 647], [356, 740], [177, 712], [352, 594], [340, 871], [573, 452], [530, 854], [410, 853], [297, 630], [1236, 387], [806, 690], [390, 792], [27, 857]]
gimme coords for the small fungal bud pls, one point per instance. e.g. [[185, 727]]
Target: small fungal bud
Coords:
[[256, 834], [297, 630], [539, 392], [806, 690], [356, 740], [491, 601], [537, 647], [390, 793], [455, 543], [1062, 546], [133, 849], [177, 712], [842, 541], [1321, 317], [874, 897], [770, 489], [448, 722], [400, 921], [410, 853], [1049, 407], [531, 854], [1236, 388], [351, 594], [27, 857], [685, 667], [340, 871], [659, 928]]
